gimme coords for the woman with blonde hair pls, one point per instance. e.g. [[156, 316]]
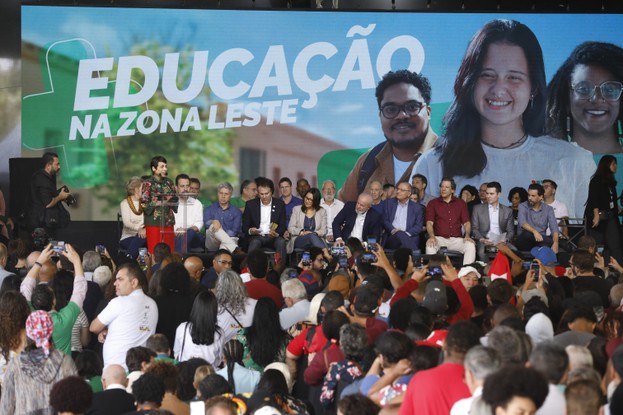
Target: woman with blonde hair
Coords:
[[133, 233]]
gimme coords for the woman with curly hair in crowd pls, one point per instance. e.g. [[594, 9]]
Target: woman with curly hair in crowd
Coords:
[[71, 396], [235, 308], [264, 341], [514, 390], [14, 311], [31, 375]]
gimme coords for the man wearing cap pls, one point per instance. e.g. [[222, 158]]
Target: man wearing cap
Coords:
[[469, 276], [581, 265], [435, 299], [535, 217], [492, 222]]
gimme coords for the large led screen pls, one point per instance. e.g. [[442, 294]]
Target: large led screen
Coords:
[[231, 95]]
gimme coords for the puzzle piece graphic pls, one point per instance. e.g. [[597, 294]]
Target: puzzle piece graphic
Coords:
[[46, 116]]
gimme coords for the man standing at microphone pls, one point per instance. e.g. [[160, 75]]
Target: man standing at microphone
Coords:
[[159, 205]]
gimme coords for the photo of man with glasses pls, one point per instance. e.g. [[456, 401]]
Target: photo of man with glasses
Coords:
[[403, 99]]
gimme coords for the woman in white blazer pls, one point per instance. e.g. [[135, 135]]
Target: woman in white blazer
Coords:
[[308, 223]]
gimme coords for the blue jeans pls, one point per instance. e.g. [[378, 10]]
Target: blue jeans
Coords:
[[132, 244]]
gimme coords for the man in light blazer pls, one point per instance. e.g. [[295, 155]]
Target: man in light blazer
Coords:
[[403, 219], [264, 219], [357, 220], [491, 220]]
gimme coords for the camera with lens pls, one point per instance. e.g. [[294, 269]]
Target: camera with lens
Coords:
[[71, 200]]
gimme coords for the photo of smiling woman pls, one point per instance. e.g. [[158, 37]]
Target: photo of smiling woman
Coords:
[[584, 98], [495, 125]]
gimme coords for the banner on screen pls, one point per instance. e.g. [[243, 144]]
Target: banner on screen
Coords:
[[231, 95]]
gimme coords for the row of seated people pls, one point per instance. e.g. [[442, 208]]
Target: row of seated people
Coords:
[[288, 223], [330, 343]]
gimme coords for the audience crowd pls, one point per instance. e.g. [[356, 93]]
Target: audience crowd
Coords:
[[396, 303]]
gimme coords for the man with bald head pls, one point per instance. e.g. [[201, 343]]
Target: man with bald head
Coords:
[[113, 399], [357, 220], [376, 191], [194, 266]]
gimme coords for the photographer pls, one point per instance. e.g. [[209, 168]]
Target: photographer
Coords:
[[46, 210]]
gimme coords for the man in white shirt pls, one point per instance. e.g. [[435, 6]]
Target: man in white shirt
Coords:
[[129, 319], [295, 298], [331, 205], [480, 362], [553, 362], [560, 208], [188, 218]]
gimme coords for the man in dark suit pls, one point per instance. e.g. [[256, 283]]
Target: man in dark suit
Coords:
[[264, 219], [492, 222], [357, 220], [403, 219], [113, 399]]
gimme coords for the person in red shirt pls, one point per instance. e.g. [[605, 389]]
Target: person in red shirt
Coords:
[[438, 306], [331, 353], [258, 287], [434, 391], [445, 216]]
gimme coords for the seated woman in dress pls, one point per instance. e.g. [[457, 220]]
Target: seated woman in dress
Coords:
[[308, 223], [133, 233]]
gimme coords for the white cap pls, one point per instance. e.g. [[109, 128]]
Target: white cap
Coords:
[[466, 270]]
